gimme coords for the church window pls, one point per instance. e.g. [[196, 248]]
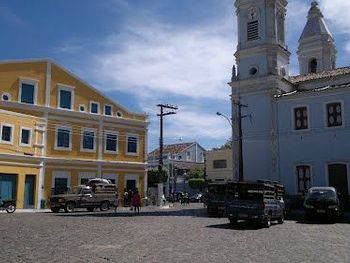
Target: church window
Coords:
[[313, 66], [303, 178], [334, 114], [253, 30], [301, 118]]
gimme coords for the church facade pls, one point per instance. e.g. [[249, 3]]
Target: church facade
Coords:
[[299, 133]]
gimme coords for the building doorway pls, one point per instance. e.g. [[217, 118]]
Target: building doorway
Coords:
[[130, 185], [338, 178], [29, 190], [8, 186]]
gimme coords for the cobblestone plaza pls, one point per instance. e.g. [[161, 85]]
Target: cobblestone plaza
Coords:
[[178, 234]]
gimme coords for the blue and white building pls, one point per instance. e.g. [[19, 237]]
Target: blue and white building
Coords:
[[300, 129]]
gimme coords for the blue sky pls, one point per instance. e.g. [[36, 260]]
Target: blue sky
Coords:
[[145, 52]]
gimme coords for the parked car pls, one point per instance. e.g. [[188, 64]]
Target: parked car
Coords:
[[101, 196], [322, 202], [258, 202], [197, 198]]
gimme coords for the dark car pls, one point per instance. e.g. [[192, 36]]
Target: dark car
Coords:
[[258, 202], [322, 202]]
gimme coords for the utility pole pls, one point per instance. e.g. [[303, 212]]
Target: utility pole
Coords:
[[239, 116], [161, 115]]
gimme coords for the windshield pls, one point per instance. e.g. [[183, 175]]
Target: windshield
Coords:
[[325, 194], [74, 190]]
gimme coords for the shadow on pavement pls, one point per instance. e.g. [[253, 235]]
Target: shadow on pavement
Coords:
[[185, 212], [299, 218], [241, 225]]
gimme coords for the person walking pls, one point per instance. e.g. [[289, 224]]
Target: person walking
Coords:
[[136, 201], [126, 197]]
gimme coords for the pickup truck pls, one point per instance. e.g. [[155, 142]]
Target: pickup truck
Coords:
[[100, 195], [258, 202]]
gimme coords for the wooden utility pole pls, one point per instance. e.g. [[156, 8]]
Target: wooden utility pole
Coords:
[[161, 114]]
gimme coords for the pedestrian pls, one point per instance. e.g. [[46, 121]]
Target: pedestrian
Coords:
[[163, 199], [126, 198], [136, 202]]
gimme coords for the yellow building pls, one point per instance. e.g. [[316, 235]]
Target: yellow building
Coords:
[[57, 131]]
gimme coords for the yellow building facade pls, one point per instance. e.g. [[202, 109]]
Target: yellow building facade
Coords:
[[57, 131]]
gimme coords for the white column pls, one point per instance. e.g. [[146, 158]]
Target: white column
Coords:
[[40, 192]]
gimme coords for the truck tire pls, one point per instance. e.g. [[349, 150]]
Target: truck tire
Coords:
[[267, 222], [233, 221], [55, 209], [69, 207], [104, 206], [281, 219]]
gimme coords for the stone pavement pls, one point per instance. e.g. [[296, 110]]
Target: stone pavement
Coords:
[[177, 234]]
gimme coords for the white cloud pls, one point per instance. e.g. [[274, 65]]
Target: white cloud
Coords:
[[337, 11], [163, 60]]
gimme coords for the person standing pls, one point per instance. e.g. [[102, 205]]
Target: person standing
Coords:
[[126, 198], [136, 201]]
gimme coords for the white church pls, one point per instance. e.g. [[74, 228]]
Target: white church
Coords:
[[299, 133]]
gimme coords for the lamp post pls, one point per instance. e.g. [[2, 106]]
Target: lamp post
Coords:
[[235, 172]]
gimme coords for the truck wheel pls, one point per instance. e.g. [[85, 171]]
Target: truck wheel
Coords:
[[233, 221], [55, 209], [267, 222], [69, 208], [104, 206], [90, 209], [281, 219]]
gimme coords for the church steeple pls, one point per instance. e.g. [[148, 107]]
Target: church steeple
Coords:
[[317, 51]]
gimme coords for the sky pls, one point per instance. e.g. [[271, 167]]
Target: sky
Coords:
[[144, 52]]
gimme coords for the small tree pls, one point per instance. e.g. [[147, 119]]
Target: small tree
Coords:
[[154, 177], [195, 173], [196, 183]]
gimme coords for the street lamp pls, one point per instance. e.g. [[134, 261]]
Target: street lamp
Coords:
[[235, 175]]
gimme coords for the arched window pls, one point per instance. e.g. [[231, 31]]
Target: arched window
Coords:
[[313, 66]]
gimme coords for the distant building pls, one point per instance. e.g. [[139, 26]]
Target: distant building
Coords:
[[57, 131], [178, 160], [299, 133], [218, 165]]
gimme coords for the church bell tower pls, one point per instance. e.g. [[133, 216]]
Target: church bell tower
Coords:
[[262, 48]]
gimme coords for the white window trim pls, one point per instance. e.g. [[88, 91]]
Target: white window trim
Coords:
[[132, 177], [60, 174], [29, 82], [65, 88], [12, 132], [325, 114], [82, 138], [30, 137], [6, 94], [104, 109], [82, 105], [98, 107], [86, 175], [105, 142], [296, 175], [293, 118], [70, 138], [137, 146]]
